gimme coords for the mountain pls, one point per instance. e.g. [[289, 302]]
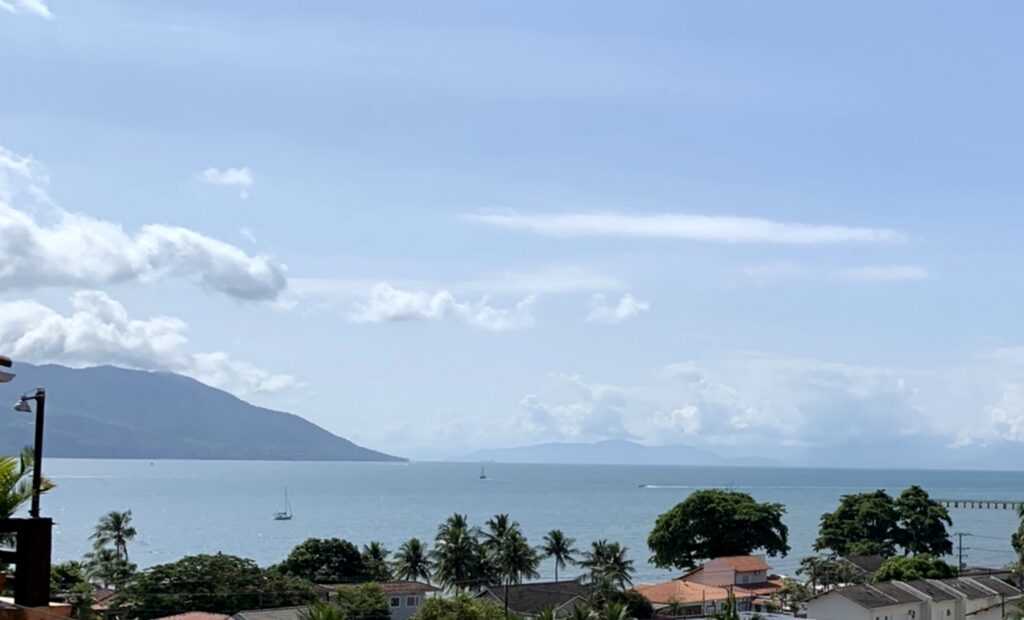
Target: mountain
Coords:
[[612, 452], [107, 412]]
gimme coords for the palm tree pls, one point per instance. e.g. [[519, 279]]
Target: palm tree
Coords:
[[16, 486], [375, 558], [115, 527], [561, 548], [106, 567], [412, 561], [614, 611], [607, 561], [498, 527], [455, 556], [514, 560], [322, 610], [580, 612]]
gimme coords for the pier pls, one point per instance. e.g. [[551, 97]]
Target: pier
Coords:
[[984, 504]]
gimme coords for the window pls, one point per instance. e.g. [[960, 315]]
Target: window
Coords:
[[412, 601], [396, 601]]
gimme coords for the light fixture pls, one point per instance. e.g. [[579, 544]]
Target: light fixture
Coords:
[[22, 406]]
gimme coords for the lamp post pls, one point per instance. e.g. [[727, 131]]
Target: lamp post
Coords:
[[22, 406]]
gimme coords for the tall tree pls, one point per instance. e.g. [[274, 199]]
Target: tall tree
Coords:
[[714, 523], [365, 601], [412, 561], [115, 528], [104, 566], [16, 486], [829, 571], [375, 562], [221, 584], [908, 568], [863, 524], [560, 548], [607, 562], [456, 555], [325, 560], [922, 524], [497, 528]]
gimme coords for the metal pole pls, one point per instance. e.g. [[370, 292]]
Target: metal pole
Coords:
[[37, 470]]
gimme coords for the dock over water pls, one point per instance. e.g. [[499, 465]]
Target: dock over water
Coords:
[[984, 504]]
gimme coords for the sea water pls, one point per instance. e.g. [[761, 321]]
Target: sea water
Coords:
[[190, 507]]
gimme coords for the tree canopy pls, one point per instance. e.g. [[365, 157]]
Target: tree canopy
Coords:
[[876, 524], [365, 601], [714, 523], [913, 567], [460, 607], [223, 584], [325, 560]]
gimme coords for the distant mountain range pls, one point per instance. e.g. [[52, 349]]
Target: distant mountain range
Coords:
[[107, 412], [612, 452]]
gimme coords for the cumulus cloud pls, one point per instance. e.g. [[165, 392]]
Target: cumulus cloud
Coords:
[[48, 246], [627, 308], [232, 177], [99, 330], [689, 227], [386, 303], [30, 7]]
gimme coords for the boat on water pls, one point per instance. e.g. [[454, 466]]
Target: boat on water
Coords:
[[287, 514], [483, 474]]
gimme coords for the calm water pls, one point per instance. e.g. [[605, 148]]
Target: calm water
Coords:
[[187, 507]]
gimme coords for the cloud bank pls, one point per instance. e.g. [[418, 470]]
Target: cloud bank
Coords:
[[241, 178], [386, 303], [708, 228], [48, 246], [99, 330], [30, 7]]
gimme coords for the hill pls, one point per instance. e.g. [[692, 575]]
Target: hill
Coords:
[[108, 412], [611, 452]]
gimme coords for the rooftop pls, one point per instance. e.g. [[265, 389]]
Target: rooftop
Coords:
[[931, 590], [195, 615], [533, 598], [281, 613], [683, 592], [867, 563], [744, 563]]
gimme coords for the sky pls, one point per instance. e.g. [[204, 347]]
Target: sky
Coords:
[[759, 228]]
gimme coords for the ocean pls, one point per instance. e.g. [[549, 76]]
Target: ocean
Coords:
[[189, 507]]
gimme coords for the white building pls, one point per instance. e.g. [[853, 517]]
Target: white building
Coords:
[[980, 598]]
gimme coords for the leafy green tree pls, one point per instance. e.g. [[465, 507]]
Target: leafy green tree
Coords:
[[222, 584], [69, 584], [792, 592], [607, 564], [412, 561], [829, 571], [457, 555], [922, 524], [322, 610], [560, 548], [637, 605], [913, 567], [325, 560], [16, 486], [713, 523], [115, 528], [863, 524], [365, 601], [459, 607], [106, 567], [375, 562]]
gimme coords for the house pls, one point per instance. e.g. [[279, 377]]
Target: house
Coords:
[[865, 565], [406, 597], [531, 599], [960, 598], [280, 613], [704, 590]]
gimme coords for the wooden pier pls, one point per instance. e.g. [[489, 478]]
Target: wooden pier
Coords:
[[984, 504]]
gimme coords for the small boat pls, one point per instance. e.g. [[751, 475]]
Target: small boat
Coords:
[[483, 475], [287, 514]]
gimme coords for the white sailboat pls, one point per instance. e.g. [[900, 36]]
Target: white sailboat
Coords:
[[287, 514], [483, 475]]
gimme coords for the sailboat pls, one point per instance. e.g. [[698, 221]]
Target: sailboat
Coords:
[[287, 514], [483, 475]]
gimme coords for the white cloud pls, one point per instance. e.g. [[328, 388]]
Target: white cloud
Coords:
[[32, 7], [241, 178], [710, 228], [100, 331], [48, 246], [627, 308], [387, 303]]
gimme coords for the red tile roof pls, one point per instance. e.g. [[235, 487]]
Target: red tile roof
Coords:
[[683, 592], [744, 563]]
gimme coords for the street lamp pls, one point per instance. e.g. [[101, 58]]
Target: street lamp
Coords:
[[22, 406]]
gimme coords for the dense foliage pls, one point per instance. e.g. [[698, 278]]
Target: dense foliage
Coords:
[[325, 560], [714, 523], [829, 571], [222, 584], [375, 562], [459, 607], [16, 486], [876, 524], [365, 601], [412, 561], [913, 567]]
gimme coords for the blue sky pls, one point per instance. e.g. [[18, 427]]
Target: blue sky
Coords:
[[436, 227]]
